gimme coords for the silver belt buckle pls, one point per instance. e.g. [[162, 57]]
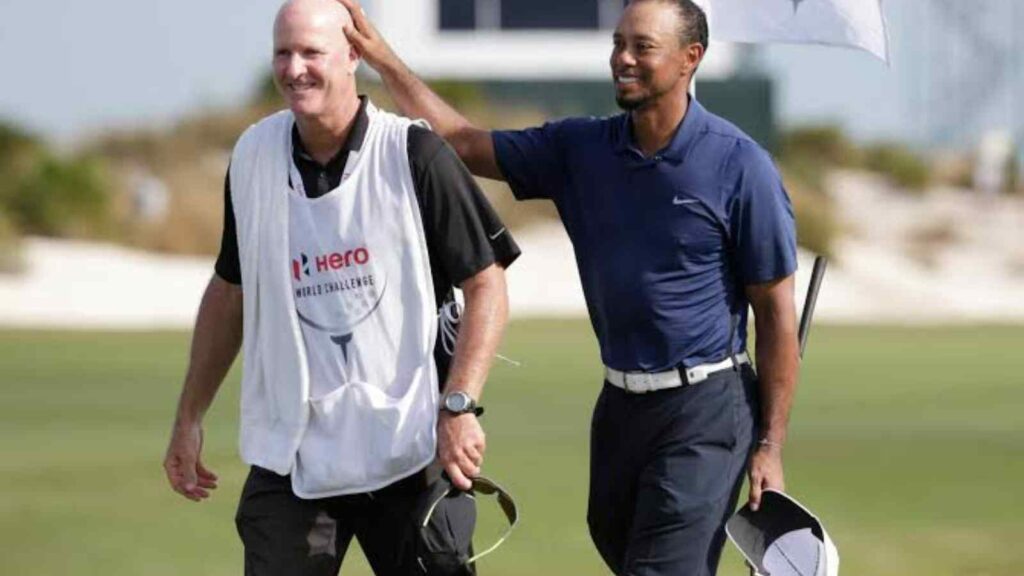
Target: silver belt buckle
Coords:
[[696, 375], [637, 382]]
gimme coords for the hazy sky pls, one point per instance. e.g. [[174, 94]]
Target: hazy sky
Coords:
[[72, 68]]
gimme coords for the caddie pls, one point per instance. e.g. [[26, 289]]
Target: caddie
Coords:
[[346, 229]]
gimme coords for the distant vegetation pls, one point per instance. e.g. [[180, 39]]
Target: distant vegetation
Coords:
[[42, 193], [99, 191], [808, 154], [903, 167], [189, 162], [806, 157], [811, 151], [45, 194]]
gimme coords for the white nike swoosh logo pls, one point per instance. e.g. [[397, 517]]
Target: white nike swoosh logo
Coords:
[[496, 234], [676, 200]]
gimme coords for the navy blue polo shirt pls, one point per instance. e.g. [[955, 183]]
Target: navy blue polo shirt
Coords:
[[664, 244]]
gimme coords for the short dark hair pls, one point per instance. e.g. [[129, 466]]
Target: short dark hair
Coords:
[[693, 23]]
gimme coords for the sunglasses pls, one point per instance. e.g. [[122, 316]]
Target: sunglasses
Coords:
[[486, 487]]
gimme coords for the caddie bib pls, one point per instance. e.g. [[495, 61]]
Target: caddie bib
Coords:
[[363, 294]]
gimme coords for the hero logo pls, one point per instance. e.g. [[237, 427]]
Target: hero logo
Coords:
[[331, 261]]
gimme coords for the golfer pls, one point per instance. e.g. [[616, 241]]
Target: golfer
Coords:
[[679, 223], [346, 229]]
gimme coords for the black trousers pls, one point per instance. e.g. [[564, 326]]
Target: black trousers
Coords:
[[666, 469], [285, 535]]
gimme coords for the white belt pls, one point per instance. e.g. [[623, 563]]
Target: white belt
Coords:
[[641, 382]]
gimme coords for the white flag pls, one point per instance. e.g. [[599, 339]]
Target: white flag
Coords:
[[856, 23]]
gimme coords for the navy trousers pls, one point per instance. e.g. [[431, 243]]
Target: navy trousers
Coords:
[[666, 469]]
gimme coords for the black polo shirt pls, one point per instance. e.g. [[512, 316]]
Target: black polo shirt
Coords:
[[463, 233]]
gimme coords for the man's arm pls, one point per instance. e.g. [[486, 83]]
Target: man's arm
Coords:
[[461, 441], [778, 365], [416, 100], [215, 343]]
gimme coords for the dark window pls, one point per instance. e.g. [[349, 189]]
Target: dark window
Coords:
[[549, 14], [457, 14], [530, 14]]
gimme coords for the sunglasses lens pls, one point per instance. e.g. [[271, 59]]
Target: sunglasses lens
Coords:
[[486, 487], [508, 507]]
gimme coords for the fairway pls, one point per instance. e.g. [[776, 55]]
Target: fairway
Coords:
[[908, 442]]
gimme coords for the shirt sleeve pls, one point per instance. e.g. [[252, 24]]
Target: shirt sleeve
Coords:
[[531, 160], [463, 232], [760, 217], [227, 265]]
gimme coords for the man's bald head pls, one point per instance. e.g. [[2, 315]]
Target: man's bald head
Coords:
[[329, 14], [314, 64]]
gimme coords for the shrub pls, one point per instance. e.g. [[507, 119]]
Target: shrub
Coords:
[[807, 156], [900, 165], [816, 225], [826, 145], [10, 247], [809, 153], [43, 194], [19, 155], [460, 95], [1013, 176], [61, 198], [266, 92], [16, 144]]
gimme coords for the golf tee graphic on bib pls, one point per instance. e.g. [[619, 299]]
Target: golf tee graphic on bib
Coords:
[[337, 288]]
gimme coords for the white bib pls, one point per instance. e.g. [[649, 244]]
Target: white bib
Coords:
[[363, 294]]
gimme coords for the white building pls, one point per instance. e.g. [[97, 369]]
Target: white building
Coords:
[[526, 40]]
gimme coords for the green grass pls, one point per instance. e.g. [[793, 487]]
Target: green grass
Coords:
[[908, 442]]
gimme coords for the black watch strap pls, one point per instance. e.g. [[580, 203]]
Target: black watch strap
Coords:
[[476, 411]]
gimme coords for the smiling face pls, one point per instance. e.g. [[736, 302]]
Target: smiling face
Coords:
[[649, 62], [314, 65]]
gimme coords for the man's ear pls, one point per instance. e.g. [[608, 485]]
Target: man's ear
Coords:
[[693, 54], [355, 59]]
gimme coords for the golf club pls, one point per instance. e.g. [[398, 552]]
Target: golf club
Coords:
[[817, 275]]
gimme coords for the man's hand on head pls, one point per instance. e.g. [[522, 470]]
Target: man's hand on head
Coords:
[[460, 447], [367, 41], [182, 464]]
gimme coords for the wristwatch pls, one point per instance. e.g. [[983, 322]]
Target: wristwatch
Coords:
[[459, 402]]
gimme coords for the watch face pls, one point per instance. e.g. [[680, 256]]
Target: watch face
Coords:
[[457, 401]]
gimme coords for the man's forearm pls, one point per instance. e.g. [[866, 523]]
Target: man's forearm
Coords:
[[778, 356], [461, 441], [415, 99], [777, 364], [480, 331], [215, 344]]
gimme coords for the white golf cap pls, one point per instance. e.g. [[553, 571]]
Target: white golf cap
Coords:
[[783, 538]]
